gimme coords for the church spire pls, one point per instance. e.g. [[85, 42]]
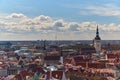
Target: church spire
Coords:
[[97, 34], [97, 31], [97, 41]]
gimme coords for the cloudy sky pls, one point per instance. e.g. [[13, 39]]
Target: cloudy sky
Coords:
[[59, 19]]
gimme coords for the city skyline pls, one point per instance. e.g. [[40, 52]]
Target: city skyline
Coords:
[[61, 20]]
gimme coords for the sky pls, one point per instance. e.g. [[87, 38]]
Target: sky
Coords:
[[59, 19]]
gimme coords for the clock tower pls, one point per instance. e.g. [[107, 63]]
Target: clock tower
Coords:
[[97, 42]]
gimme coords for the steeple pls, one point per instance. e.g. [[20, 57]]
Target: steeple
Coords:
[[97, 31], [97, 34], [97, 42]]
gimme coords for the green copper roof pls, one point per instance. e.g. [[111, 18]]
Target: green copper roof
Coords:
[[97, 37]]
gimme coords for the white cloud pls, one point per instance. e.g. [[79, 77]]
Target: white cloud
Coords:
[[59, 23], [104, 10], [73, 26], [45, 27], [43, 18], [15, 15]]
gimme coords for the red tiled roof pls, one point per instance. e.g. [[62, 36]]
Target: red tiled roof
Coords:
[[52, 58], [96, 65], [56, 74], [103, 78], [18, 77], [39, 70], [111, 56], [68, 60], [80, 59], [91, 65], [83, 64], [23, 73]]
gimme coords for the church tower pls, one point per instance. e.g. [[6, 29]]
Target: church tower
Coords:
[[97, 42]]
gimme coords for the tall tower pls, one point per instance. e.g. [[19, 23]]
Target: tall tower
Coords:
[[97, 42]]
